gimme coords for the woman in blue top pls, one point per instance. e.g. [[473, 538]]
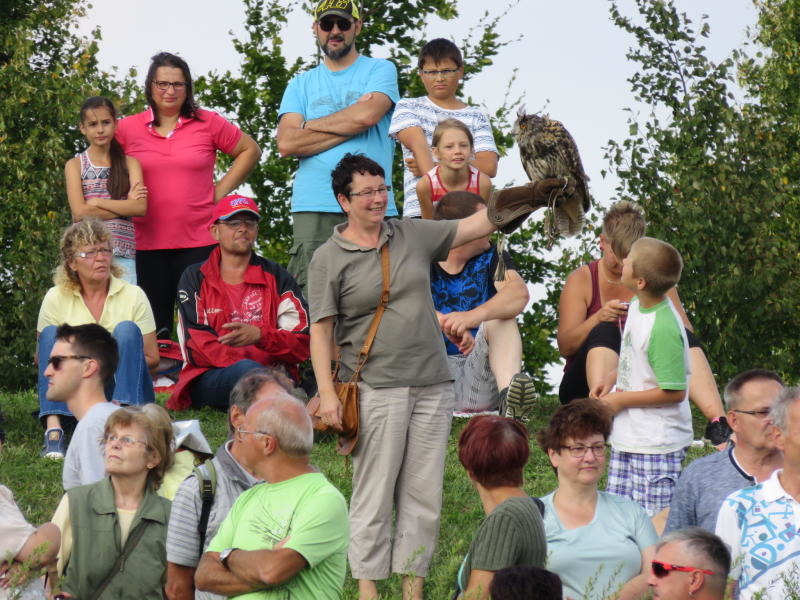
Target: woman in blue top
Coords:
[[599, 544]]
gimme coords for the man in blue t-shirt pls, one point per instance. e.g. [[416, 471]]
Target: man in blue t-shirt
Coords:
[[342, 105], [477, 315]]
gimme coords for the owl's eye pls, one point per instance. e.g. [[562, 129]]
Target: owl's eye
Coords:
[[522, 125]]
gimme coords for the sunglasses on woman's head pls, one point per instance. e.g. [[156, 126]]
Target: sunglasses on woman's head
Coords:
[[662, 569], [327, 24]]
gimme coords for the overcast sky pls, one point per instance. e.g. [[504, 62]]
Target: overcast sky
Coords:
[[571, 58]]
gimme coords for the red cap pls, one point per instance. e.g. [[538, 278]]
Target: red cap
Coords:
[[233, 205]]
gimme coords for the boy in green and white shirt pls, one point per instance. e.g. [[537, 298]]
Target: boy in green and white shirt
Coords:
[[652, 422]]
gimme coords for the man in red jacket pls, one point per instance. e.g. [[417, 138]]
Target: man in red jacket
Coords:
[[237, 311]]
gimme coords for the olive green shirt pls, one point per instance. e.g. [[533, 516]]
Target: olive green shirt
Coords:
[[344, 281]]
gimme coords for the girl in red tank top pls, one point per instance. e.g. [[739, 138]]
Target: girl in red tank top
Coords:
[[453, 148]]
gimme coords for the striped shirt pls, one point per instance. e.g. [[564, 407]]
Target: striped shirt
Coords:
[[421, 112]]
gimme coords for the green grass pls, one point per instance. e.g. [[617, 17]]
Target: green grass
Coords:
[[36, 482]]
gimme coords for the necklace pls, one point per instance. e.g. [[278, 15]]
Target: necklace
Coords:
[[602, 268]]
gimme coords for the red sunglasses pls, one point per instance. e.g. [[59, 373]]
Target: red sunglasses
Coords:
[[662, 569]]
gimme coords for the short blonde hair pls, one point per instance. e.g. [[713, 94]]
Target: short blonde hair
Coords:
[[658, 263], [158, 430], [85, 232], [623, 224]]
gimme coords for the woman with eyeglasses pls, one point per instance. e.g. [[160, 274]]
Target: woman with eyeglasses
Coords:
[[176, 143], [88, 290], [113, 532], [406, 387], [494, 451], [598, 543]]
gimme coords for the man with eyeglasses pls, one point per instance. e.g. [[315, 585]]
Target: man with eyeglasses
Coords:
[[342, 106], [287, 538], [690, 563], [237, 311], [761, 524], [83, 359], [707, 481], [188, 535]]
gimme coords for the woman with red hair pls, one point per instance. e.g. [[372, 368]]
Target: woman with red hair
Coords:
[[494, 450]]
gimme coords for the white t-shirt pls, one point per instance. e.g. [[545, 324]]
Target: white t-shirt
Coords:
[[85, 462], [421, 112], [760, 525], [654, 354]]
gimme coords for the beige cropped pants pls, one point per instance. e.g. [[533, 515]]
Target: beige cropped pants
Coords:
[[398, 464]]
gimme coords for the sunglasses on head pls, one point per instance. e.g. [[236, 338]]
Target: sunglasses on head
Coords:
[[662, 569], [57, 359], [327, 24]]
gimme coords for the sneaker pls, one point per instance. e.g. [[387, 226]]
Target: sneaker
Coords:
[[518, 398], [54, 444]]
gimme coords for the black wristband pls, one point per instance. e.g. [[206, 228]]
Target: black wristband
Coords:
[[718, 431]]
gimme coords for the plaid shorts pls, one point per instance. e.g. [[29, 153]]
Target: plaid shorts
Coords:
[[647, 479], [475, 386]]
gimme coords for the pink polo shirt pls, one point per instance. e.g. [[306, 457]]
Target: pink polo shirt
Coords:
[[179, 175]]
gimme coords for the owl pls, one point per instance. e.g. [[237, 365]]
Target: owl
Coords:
[[548, 150]]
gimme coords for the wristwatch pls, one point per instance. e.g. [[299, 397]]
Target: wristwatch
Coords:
[[225, 555]]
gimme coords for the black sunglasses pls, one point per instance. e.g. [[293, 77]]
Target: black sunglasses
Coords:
[[327, 24], [662, 569], [57, 359]]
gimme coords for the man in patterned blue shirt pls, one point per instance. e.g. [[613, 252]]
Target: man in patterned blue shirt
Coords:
[[761, 524], [477, 299]]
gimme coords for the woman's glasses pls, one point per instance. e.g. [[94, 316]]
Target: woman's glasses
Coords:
[[92, 254], [662, 569], [125, 440], [580, 451], [164, 85]]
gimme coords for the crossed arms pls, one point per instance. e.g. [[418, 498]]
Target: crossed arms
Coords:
[[306, 138], [249, 570]]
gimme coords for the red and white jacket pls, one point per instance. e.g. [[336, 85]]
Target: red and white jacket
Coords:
[[203, 307]]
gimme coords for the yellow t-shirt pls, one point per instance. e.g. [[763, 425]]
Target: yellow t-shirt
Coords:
[[125, 302]]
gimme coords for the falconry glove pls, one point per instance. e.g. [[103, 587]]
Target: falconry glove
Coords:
[[508, 208]]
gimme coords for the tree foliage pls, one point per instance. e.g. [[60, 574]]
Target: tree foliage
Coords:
[[46, 70], [717, 177]]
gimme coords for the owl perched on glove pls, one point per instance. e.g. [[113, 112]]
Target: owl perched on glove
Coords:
[[547, 150]]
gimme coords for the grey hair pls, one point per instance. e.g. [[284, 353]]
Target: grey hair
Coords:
[[246, 389], [708, 548], [732, 395], [287, 420], [779, 415]]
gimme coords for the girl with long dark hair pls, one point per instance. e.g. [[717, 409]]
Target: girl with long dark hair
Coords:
[[102, 182]]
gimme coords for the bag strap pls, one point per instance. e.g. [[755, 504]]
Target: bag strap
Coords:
[[208, 487], [130, 546], [376, 319]]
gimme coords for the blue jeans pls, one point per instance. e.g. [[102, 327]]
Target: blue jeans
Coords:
[[213, 388], [132, 383]]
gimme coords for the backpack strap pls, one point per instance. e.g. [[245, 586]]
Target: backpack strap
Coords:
[[208, 487], [539, 504]]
